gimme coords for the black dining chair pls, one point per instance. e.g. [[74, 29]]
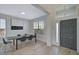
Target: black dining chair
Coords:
[[23, 40], [25, 34], [6, 45], [32, 36], [6, 42], [18, 35]]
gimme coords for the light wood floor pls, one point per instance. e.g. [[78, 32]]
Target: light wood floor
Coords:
[[40, 48]]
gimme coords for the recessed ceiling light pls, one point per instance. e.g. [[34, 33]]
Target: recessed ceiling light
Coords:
[[23, 13]]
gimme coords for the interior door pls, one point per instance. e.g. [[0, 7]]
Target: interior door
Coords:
[[68, 33]]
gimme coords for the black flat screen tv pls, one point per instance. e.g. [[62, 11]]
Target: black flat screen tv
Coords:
[[16, 27]]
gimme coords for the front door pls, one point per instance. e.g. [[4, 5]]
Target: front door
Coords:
[[68, 33]]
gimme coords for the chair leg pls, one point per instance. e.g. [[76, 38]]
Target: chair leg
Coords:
[[2, 50], [22, 44], [6, 48]]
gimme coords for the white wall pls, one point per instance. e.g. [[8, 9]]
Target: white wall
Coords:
[[51, 23], [77, 11], [41, 37], [49, 30], [17, 22], [78, 35]]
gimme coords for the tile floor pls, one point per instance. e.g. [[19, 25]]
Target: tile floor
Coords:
[[39, 48]]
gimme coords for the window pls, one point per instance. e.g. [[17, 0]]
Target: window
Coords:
[[2, 24], [2, 27], [65, 10], [57, 32], [38, 26], [35, 25], [41, 25]]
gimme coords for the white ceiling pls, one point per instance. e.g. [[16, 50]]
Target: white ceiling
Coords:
[[31, 11]]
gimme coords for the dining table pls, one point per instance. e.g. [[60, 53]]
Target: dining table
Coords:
[[15, 40]]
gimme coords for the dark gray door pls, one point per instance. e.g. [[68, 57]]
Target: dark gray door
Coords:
[[68, 33]]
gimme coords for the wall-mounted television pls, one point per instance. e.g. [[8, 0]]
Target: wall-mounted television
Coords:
[[16, 27]]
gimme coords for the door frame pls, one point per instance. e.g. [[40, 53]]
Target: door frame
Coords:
[[64, 18]]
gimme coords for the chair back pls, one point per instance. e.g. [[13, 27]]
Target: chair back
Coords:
[[25, 34], [23, 38], [4, 41], [18, 35], [30, 37]]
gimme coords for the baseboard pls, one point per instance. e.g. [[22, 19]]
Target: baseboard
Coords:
[[55, 43]]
